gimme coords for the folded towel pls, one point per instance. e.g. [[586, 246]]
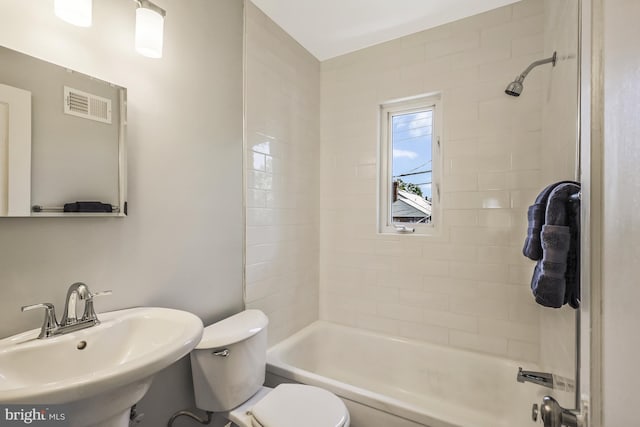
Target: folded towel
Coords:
[[87, 207], [556, 278], [536, 215], [532, 246], [549, 283]]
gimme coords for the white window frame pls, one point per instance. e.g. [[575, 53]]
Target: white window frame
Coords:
[[385, 156]]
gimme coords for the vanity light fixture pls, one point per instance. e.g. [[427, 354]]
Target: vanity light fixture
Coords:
[[76, 12], [149, 31]]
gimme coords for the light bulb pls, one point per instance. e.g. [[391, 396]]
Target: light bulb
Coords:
[[76, 12]]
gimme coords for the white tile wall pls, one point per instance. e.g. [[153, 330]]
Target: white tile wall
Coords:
[[282, 131], [467, 288]]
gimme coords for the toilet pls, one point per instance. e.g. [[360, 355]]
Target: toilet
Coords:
[[228, 368]]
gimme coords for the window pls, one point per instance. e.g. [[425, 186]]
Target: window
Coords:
[[409, 162]]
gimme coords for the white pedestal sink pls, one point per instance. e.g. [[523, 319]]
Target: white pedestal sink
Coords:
[[98, 373]]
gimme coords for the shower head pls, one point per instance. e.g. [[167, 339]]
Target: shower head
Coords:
[[515, 87]]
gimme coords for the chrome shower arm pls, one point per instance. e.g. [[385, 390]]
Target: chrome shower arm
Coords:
[[534, 64]]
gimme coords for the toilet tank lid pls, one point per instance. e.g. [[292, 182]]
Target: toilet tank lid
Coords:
[[233, 329]]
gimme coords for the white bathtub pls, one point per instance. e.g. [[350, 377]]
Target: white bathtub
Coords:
[[391, 382]]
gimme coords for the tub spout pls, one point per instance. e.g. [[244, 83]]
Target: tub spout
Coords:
[[541, 378]]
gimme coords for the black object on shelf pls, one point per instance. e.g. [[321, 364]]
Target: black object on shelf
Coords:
[[88, 207]]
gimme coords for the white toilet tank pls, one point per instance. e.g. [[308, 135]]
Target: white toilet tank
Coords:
[[228, 366]]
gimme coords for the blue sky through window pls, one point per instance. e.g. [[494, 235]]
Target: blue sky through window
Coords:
[[411, 137]]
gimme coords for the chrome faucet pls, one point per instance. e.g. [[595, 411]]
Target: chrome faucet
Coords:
[[541, 378], [69, 321], [76, 291]]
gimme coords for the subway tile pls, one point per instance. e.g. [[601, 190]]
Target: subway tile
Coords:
[[527, 179], [378, 324], [523, 9], [498, 218], [337, 315], [522, 199], [480, 163], [458, 43], [461, 217], [399, 312], [508, 329], [488, 236], [430, 333], [450, 320], [262, 252], [493, 307], [449, 252], [527, 45], [424, 300], [431, 267], [461, 148], [399, 280], [523, 351], [354, 303], [525, 26], [464, 182], [520, 274], [492, 345], [500, 50], [526, 157], [262, 289], [256, 198], [260, 235], [482, 20], [256, 272], [259, 180], [494, 254], [492, 181], [385, 294]]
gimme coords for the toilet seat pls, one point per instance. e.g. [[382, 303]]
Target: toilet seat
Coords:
[[294, 405]]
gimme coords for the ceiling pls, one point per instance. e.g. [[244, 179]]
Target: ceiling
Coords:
[[329, 28]]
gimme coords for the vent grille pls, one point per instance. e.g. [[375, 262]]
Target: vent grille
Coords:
[[82, 104]]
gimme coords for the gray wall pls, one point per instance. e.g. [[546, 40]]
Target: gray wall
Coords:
[[72, 158], [621, 224], [181, 245]]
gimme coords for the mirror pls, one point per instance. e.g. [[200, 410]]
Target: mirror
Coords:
[[62, 141]]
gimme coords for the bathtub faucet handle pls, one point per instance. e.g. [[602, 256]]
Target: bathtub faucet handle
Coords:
[[554, 415]]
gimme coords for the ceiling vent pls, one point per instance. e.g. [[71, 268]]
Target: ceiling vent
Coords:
[[86, 105]]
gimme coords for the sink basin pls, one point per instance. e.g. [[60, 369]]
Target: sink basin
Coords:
[[98, 373]]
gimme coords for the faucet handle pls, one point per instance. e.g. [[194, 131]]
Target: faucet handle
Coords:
[[49, 324], [89, 311], [100, 294], [46, 305]]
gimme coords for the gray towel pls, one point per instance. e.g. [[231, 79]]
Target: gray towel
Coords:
[[556, 278], [549, 283], [536, 216]]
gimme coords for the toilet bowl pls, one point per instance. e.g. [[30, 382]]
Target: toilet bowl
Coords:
[[228, 369], [291, 405]]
